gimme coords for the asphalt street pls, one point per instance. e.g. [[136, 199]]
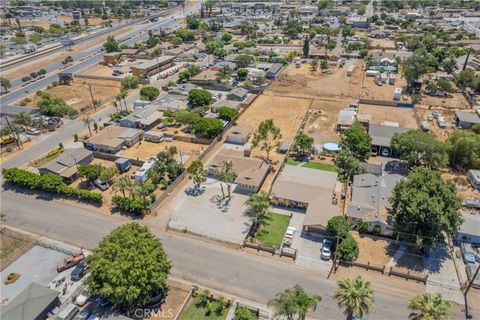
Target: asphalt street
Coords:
[[248, 276]]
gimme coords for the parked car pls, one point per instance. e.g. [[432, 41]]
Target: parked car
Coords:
[[290, 232], [83, 315], [326, 252], [100, 184], [79, 271], [33, 132], [84, 296], [70, 262], [385, 152], [103, 302], [468, 253]]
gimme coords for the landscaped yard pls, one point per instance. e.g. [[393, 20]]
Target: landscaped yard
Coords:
[[272, 232], [313, 165], [194, 312], [49, 157]]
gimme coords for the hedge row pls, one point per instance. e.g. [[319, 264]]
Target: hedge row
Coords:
[[131, 205], [50, 183]]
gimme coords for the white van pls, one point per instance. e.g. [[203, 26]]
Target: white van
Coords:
[[68, 313]]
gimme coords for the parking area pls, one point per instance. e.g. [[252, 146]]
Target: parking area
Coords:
[[205, 213], [308, 247]]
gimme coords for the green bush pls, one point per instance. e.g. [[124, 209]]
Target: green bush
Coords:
[[49, 183], [131, 205], [348, 249], [338, 226], [376, 231], [363, 228]]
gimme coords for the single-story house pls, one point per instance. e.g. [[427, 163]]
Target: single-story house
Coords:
[[113, 138], [205, 78], [389, 57], [225, 103], [171, 102], [66, 164], [274, 71], [33, 303], [311, 190], [183, 89], [144, 119], [469, 231], [358, 22], [237, 94], [250, 172], [474, 177], [465, 120], [370, 204], [382, 136], [239, 135]]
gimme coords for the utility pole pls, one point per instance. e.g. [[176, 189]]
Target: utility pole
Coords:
[[466, 59], [17, 138], [91, 95], [334, 258], [467, 315]]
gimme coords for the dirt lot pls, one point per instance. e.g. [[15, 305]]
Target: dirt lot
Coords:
[[423, 113], [404, 116], [322, 119], [456, 101], [77, 94], [146, 150], [302, 82], [372, 91], [12, 246], [382, 44], [176, 296], [104, 71], [464, 188], [52, 58]]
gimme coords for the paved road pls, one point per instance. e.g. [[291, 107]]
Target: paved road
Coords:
[[134, 37], [235, 272]]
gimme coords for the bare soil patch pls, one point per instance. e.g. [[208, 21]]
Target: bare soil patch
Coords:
[[455, 101], [382, 44], [372, 91], [375, 251], [322, 120], [464, 188], [77, 94], [424, 113], [173, 302], [13, 246], [404, 116]]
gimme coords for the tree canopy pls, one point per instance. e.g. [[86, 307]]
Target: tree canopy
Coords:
[[293, 303], [199, 98], [419, 148], [348, 164], [429, 306], [111, 45], [54, 106], [227, 113], [358, 141], [463, 149], [303, 144], [425, 205], [267, 137], [130, 82], [208, 128], [149, 92], [128, 267], [356, 296], [338, 226]]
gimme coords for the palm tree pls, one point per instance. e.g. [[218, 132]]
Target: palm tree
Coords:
[[258, 205], [355, 296], [115, 104], [429, 306], [227, 176], [123, 185], [87, 122], [293, 303]]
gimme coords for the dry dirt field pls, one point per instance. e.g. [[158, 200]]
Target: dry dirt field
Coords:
[[173, 302], [372, 91], [322, 119], [382, 44], [457, 101], [77, 94], [52, 58], [302, 82], [146, 149], [372, 250], [423, 113], [104, 71], [464, 188], [404, 116], [12, 246]]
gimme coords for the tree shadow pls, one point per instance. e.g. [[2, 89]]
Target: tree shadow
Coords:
[[396, 167]]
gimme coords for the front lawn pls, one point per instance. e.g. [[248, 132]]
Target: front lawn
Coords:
[[321, 166], [292, 161], [194, 312], [272, 232]]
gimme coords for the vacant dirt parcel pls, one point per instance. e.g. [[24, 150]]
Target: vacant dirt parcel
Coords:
[[304, 82], [77, 94], [404, 116], [322, 120]]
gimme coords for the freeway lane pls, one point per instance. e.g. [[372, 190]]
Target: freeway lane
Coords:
[[235, 272]]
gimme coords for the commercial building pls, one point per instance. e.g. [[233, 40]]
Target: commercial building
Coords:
[[147, 68]]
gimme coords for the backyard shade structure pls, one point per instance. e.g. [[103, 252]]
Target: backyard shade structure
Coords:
[[225, 103], [309, 189], [34, 302], [239, 135], [466, 120], [65, 165]]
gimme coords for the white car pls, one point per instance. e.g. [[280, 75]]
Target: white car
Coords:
[[290, 232], [326, 252], [83, 297]]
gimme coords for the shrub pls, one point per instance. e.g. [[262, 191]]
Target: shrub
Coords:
[[227, 113], [363, 228], [55, 83], [338, 226], [348, 249], [376, 231], [131, 205], [49, 183], [149, 92]]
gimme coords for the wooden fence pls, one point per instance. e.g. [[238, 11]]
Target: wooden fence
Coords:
[[412, 275], [259, 247], [113, 157], [387, 103]]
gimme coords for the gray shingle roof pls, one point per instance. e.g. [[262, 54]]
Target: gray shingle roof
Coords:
[[382, 135], [467, 117]]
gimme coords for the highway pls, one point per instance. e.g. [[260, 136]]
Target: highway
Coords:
[[96, 56]]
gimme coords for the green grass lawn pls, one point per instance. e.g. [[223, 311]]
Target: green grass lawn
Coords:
[[272, 232], [52, 155], [321, 166], [192, 312], [292, 161]]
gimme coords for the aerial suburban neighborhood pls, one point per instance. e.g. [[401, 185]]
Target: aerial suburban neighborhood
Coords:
[[240, 160]]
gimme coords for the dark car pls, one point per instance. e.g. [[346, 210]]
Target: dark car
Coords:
[[83, 315], [79, 271]]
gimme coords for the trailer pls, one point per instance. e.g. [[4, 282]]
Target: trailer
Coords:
[[391, 78], [372, 73], [142, 174], [350, 70], [397, 93]]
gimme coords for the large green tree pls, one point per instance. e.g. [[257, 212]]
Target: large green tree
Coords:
[[348, 164], [338, 226], [429, 306], [463, 148], [267, 137], [419, 148], [111, 45], [197, 173], [149, 92], [303, 144], [355, 296], [227, 113], [199, 98], [207, 128], [425, 205], [418, 64], [293, 303], [128, 267], [358, 141]]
